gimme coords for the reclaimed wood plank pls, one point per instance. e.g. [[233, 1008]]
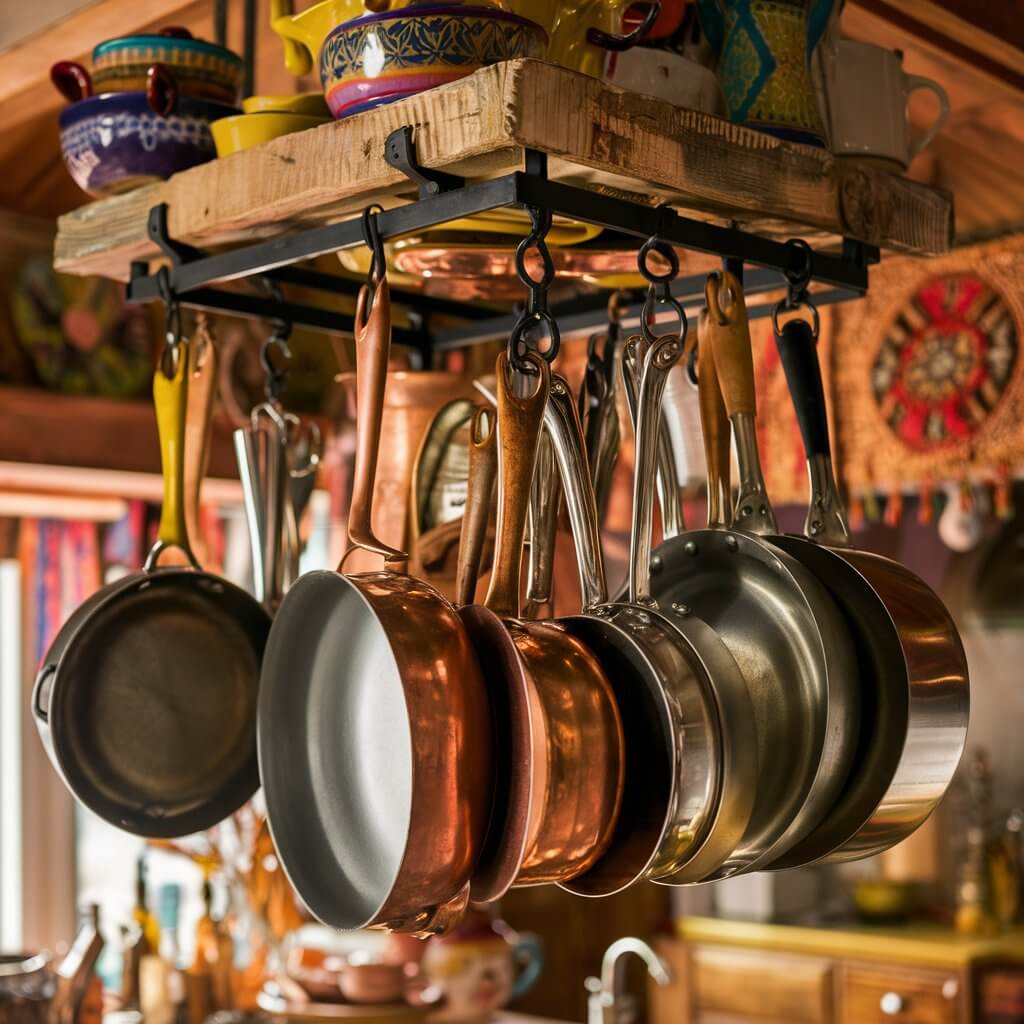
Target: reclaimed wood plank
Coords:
[[478, 127]]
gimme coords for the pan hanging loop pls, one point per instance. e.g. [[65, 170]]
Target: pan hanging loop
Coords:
[[659, 287], [798, 279], [536, 319], [173, 330], [276, 354], [378, 261]]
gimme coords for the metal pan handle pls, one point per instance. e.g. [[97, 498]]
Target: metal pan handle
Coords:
[[729, 330], [373, 347], [170, 396], [798, 350], [519, 426], [562, 423], [661, 356], [545, 498], [483, 468]]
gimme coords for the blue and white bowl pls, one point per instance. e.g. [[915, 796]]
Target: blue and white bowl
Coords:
[[114, 142]]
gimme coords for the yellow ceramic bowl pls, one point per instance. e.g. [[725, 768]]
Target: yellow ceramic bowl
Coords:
[[301, 103], [233, 134]]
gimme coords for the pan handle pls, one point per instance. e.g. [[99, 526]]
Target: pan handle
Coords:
[[483, 468], [714, 421], [729, 330], [202, 386], [170, 396], [519, 426], [373, 347], [667, 478], [542, 515], [562, 423], [798, 350], [661, 356]]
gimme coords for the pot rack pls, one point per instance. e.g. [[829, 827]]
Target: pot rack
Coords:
[[192, 277]]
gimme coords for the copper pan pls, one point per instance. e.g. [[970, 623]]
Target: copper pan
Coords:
[[555, 714], [374, 731]]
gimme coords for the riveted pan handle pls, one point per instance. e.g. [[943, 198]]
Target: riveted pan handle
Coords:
[[798, 350], [373, 347], [170, 396], [662, 354], [519, 426], [729, 330], [562, 423], [483, 468]]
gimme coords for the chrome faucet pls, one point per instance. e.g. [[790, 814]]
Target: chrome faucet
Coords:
[[605, 999]]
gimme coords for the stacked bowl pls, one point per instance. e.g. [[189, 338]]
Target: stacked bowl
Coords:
[[145, 110]]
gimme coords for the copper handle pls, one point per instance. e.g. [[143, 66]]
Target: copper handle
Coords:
[[714, 421], [519, 426], [373, 346], [483, 468], [202, 381], [731, 332]]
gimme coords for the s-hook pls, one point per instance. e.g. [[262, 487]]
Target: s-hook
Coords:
[[173, 331], [659, 288], [536, 315], [378, 260], [798, 278]]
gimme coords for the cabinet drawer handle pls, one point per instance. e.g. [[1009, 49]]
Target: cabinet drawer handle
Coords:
[[892, 1004]]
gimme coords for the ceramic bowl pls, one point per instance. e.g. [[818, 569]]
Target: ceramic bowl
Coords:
[[114, 142], [299, 103], [233, 134], [380, 58], [200, 69]]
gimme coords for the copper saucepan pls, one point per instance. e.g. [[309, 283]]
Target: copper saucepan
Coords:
[[374, 731], [554, 711]]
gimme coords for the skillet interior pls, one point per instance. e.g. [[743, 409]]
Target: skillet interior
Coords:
[[335, 750], [153, 707], [747, 592]]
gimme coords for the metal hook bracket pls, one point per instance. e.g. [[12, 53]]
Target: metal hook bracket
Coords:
[[400, 153], [177, 252]]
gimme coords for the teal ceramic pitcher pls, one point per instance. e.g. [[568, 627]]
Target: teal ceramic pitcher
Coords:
[[764, 49]]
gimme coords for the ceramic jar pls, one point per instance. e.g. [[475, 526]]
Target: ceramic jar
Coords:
[[479, 967], [764, 49]]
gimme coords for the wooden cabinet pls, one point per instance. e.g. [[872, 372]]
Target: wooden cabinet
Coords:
[[727, 972], [884, 994]]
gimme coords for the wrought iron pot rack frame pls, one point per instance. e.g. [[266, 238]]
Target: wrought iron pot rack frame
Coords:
[[443, 197]]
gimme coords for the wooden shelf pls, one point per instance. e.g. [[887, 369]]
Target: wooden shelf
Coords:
[[595, 136], [71, 444]]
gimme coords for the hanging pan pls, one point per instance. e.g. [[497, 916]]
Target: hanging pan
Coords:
[[374, 732], [913, 672], [556, 722], [146, 701], [777, 619], [691, 766]]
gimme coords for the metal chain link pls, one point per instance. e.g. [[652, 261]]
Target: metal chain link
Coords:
[[659, 288], [536, 315], [798, 279]]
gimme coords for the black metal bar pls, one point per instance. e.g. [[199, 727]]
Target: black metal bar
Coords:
[[249, 47], [320, 241], [220, 22], [261, 307]]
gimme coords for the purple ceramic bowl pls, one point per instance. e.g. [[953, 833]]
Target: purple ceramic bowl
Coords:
[[114, 142]]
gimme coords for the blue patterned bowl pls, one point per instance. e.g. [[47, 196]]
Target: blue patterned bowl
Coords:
[[380, 58], [114, 142]]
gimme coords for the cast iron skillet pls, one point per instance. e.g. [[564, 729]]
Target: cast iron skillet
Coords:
[[146, 701]]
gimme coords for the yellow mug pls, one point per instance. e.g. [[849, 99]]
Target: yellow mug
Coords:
[[566, 22]]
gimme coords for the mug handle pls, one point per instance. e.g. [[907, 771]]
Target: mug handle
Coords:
[[71, 80], [912, 84], [528, 951], [161, 90]]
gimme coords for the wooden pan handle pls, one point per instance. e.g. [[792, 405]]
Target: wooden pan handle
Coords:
[[519, 425], [483, 468], [715, 429], [733, 360], [373, 347]]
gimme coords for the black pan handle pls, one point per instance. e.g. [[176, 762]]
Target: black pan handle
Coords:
[[798, 349]]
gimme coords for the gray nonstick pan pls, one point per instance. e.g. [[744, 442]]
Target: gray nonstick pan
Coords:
[[781, 625], [915, 694], [146, 701]]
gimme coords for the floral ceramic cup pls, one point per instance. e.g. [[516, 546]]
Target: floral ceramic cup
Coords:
[[479, 967]]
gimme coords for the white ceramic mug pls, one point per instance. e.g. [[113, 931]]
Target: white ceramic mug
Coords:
[[666, 76], [865, 103]]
